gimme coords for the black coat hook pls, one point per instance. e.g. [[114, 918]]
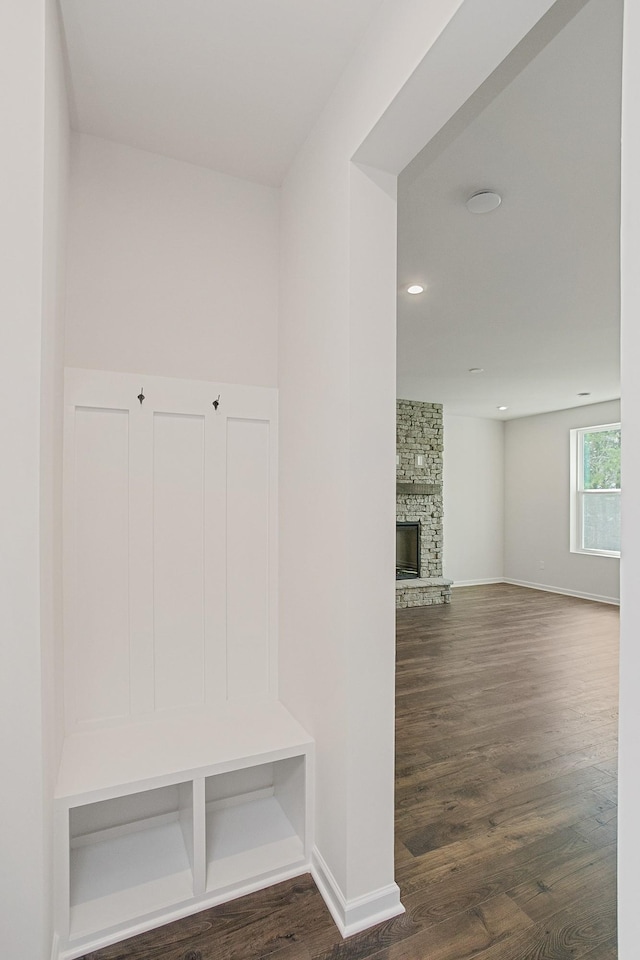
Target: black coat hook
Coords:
[[141, 395], [216, 403]]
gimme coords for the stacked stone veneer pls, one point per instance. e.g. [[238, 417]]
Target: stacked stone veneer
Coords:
[[420, 433]]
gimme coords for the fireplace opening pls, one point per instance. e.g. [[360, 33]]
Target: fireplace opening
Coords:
[[407, 551]]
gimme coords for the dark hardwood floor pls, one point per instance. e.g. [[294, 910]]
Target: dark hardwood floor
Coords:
[[505, 800]]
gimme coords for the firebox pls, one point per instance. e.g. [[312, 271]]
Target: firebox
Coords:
[[407, 550]]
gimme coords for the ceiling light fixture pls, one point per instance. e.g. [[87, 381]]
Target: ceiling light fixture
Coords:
[[415, 288], [476, 369], [503, 408], [483, 202]]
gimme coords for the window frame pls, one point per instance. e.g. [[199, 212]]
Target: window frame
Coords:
[[578, 492]]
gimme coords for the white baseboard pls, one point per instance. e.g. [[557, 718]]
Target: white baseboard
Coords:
[[349, 916], [564, 592], [352, 916], [476, 583]]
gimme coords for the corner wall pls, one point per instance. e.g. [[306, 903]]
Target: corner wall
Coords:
[[629, 755], [537, 506], [337, 395], [337, 473], [330, 447], [23, 845], [56, 191]]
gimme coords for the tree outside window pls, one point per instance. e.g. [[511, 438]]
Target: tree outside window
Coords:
[[596, 520]]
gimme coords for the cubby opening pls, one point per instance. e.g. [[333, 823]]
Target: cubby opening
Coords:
[[130, 856], [255, 821]]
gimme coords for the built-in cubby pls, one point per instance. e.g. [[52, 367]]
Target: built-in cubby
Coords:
[[130, 856], [255, 821], [165, 817], [183, 780]]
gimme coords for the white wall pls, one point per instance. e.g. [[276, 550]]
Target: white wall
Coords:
[[629, 765], [537, 505], [473, 492], [337, 396], [24, 892], [172, 269], [56, 179], [337, 465]]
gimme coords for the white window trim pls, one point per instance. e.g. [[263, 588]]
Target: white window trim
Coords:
[[577, 493]]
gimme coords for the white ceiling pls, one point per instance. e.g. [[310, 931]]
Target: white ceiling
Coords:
[[530, 291], [235, 85]]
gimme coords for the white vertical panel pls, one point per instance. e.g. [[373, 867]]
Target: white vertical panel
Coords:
[[248, 512], [199, 619], [98, 652], [199, 864], [215, 558], [141, 558], [178, 556], [185, 810], [61, 877]]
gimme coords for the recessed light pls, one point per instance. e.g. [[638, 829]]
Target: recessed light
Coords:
[[476, 369], [503, 408], [584, 394], [483, 202], [415, 288]]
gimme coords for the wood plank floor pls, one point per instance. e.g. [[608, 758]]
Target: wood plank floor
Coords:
[[506, 800]]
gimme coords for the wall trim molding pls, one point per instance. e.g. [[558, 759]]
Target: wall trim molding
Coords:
[[55, 946], [565, 592], [352, 916], [545, 587], [476, 583]]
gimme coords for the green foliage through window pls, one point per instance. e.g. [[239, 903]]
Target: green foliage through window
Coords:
[[601, 462], [598, 489]]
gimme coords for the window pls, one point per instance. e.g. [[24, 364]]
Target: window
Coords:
[[595, 474]]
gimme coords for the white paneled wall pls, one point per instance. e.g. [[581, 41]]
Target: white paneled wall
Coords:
[[170, 544], [247, 555], [99, 651], [179, 585]]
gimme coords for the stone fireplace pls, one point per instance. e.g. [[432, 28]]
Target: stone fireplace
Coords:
[[407, 551], [419, 505]]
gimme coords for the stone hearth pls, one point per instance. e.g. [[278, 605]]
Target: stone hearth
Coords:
[[422, 592]]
